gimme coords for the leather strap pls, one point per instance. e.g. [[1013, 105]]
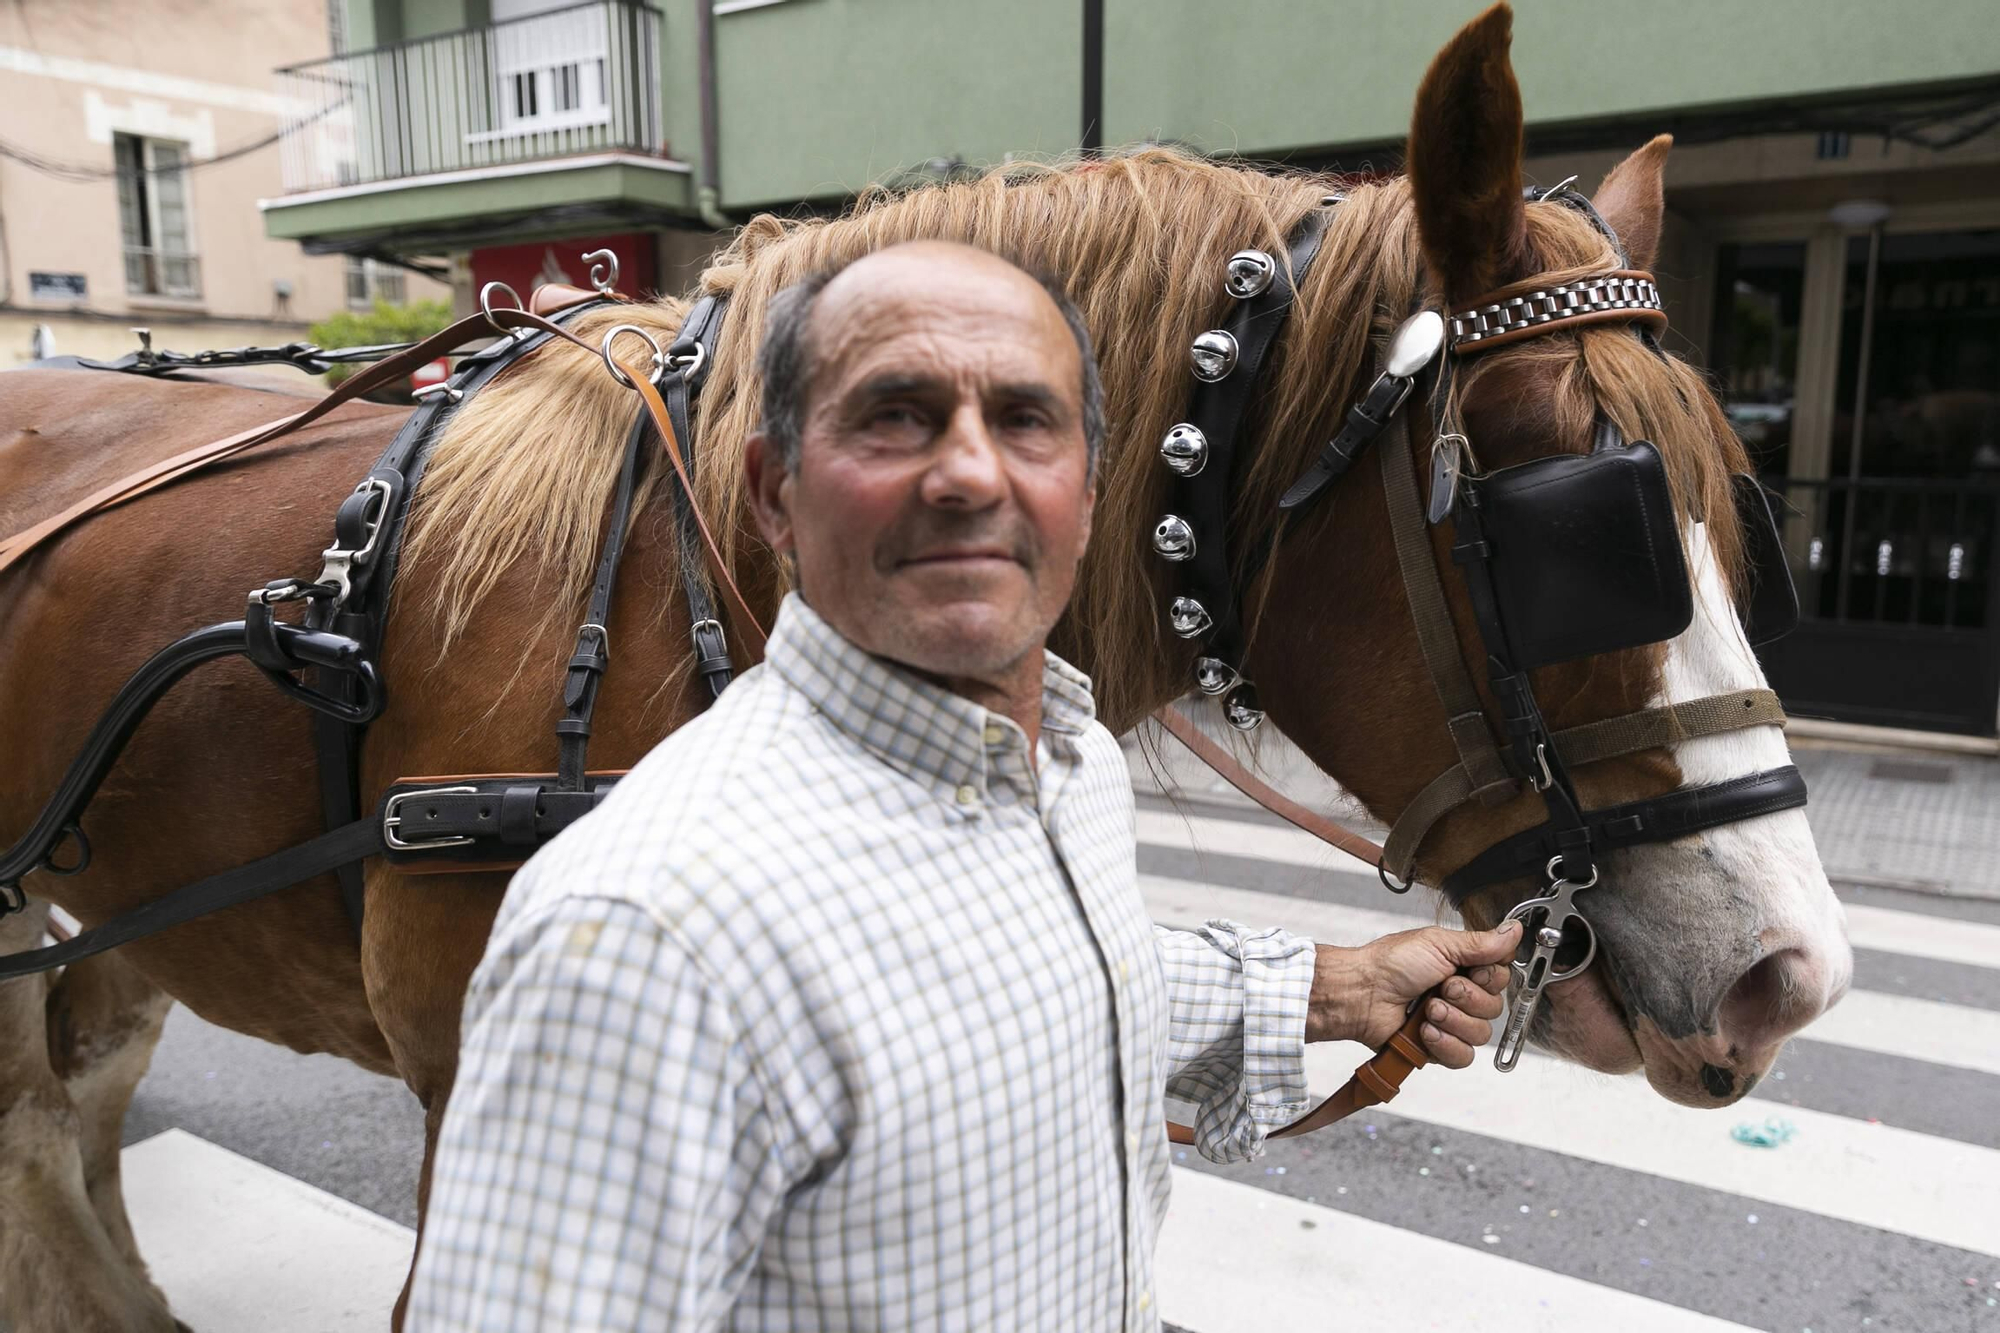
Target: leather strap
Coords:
[[1182, 729], [1659, 819], [1465, 716], [592, 656], [169, 470]]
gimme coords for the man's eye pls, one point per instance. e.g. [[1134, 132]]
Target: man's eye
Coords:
[[1025, 419], [895, 418]]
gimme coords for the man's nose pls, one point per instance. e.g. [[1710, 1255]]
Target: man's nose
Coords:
[[966, 471]]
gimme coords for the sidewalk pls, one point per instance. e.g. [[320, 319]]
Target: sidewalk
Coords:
[[1926, 823]]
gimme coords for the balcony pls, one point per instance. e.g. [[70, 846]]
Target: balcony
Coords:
[[438, 132]]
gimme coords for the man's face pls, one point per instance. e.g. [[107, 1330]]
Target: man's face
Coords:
[[942, 496]]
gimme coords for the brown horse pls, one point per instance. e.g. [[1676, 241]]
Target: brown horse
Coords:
[[1714, 948]]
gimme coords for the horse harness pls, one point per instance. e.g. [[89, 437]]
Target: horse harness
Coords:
[[1535, 540], [328, 660]]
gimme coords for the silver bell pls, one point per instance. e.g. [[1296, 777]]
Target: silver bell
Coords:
[[1213, 355], [1189, 617], [1173, 539], [1185, 450], [1240, 708], [1212, 675], [1248, 274]]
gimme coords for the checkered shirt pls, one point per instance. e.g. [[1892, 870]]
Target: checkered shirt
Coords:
[[842, 1014]]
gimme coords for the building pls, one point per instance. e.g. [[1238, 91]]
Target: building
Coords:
[[1833, 250], [136, 143]]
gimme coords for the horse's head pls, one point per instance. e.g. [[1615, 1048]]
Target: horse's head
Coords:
[[1714, 947]]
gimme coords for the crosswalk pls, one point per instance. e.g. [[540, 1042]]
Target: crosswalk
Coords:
[[1663, 1220], [1551, 1199]]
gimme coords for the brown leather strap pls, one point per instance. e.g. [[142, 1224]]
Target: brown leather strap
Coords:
[[1464, 715], [1376, 1082], [1183, 729], [1611, 738], [172, 469]]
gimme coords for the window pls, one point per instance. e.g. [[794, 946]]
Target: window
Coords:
[[1755, 350], [368, 279], [551, 66], [154, 217]]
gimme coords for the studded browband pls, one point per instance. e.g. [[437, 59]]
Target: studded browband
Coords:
[[1623, 296]]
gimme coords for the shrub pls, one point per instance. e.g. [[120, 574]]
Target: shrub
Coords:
[[384, 323]]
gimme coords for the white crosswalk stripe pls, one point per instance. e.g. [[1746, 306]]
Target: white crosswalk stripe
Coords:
[[1314, 1268]]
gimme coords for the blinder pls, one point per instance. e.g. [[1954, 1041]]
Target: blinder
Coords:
[[1771, 608], [1584, 552]]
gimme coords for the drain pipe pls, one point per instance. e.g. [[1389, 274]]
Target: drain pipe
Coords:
[[708, 195]]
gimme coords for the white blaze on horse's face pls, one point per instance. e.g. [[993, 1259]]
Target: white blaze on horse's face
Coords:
[[1724, 944]]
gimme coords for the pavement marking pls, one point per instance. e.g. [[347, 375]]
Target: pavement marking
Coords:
[[240, 1248], [1313, 1267], [1879, 1176], [1884, 929], [1917, 1029]]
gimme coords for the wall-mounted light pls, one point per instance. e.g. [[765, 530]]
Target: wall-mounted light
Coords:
[[1858, 214]]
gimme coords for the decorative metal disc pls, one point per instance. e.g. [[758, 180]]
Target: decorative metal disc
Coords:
[[1189, 618], [1212, 675], [1173, 538], [1249, 272], [1213, 355], [1185, 450], [1240, 707]]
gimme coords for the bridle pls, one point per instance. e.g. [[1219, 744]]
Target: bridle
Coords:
[[1503, 525]]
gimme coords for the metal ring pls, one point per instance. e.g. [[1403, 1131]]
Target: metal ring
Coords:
[[486, 306], [618, 371], [688, 364], [1389, 880], [1555, 879]]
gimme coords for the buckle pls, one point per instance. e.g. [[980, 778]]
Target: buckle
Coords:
[[339, 561], [392, 819]]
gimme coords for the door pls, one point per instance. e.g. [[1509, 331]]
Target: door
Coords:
[[1893, 511]]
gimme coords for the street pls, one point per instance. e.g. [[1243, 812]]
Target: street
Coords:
[[1548, 1199]]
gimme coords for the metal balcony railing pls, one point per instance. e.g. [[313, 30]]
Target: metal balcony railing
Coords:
[[585, 79]]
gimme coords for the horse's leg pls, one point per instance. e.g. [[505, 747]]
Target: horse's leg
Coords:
[[59, 1268], [104, 1020]]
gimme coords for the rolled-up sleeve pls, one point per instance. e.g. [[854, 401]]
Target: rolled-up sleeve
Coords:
[[1236, 1031], [608, 1159]]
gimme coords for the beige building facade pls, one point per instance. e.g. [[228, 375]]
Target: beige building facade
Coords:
[[135, 144]]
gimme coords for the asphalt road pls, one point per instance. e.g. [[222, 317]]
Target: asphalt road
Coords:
[[1881, 1213]]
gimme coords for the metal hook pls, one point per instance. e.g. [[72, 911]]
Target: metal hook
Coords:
[[486, 306], [606, 283], [617, 371]]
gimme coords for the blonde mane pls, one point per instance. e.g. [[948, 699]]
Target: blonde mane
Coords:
[[525, 471]]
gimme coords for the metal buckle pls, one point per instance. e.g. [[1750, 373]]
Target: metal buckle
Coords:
[[392, 819], [433, 390], [687, 364], [1547, 779], [340, 560]]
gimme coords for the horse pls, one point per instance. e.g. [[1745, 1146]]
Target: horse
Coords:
[[1714, 947]]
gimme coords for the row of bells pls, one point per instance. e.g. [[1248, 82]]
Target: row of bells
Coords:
[[1212, 356]]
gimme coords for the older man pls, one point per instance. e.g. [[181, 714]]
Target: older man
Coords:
[[844, 1011]]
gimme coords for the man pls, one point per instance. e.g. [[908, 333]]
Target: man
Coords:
[[843, 1012]]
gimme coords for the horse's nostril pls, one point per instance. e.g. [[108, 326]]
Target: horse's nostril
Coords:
[[1775, 998], [1719, 1081]]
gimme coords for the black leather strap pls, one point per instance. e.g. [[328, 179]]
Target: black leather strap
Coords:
[[346, 845], [592, 656], [697, 338], [1365, 421], [481, 821], [1659, 819], [1219, 410]]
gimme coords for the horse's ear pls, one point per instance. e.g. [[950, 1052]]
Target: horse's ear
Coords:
[[1633, 200], [1465, 161]]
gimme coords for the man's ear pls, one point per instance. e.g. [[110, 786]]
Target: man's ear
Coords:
[[770, 486]]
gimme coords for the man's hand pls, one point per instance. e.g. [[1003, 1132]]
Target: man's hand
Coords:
[[1363, 994]]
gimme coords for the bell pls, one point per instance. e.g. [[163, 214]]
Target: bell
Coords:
[[1213, 355], [1240, 708], [1173, 539], [1185, 450], [1189, 617], [1212, 675], [1248, 273]]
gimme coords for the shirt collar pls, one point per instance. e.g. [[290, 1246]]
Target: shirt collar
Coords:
[[918, 728]]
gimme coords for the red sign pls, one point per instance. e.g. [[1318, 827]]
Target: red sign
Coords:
[[528, 266]]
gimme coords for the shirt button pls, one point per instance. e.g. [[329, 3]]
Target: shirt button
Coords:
[[995, 733], [1124, 969], [1132, 1141], [1145, 1300], [968, 795]]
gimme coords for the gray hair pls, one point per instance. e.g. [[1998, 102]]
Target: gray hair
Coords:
[[785, 364]]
